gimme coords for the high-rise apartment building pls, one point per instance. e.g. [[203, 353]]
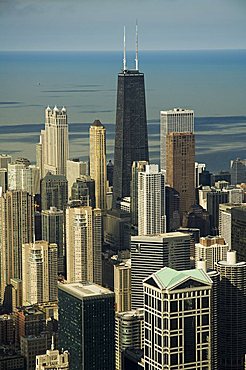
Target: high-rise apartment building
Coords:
[[151, 253], [238, 171], [214, 199], [75, 169], [16, 228], [211, 250], [129, 333], [131, 136], [232, 312], [172, 208], [225, 221], [52, 221], [3, 180], [84, 244], [136, 168], [238, 231], [174, 120], [98, 170], [151, 201], [39, 272], [54, 140], [83, 189], [86, 325], [22, 177], [179, 165], [122, 286], [177, 308], [54, 192]]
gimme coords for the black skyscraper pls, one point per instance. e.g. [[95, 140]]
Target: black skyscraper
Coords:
[[131, 136]]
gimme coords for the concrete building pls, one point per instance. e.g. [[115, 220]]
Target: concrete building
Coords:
[[11, 359], [83, 189], [174, 120], [214, 199], [3, 180], [54, 191], [25, 178], [172, 206], [31, 346], [232, 312], [136, 168], [39, 272], [235, 196], [129, 333], [16, 228], [84, 244], [75, 169], [199, 168], [211, 250], [238, 171], [238, 231], [7, 329], [180, 163], [122, 286], [5, 159], [53, 359], [54, 140], [98, 170], [177, 320], [91, 308], [16, 293], [151, 201], [151, 253], [117, 225]]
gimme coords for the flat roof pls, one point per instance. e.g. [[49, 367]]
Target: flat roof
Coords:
[[159, 237], [82, 291]]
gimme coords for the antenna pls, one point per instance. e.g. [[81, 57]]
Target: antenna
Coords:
[[124, 58], [53, 343], [136, 59]]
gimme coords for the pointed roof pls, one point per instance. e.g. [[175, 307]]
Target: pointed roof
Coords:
[[169, 279], [97, 123]]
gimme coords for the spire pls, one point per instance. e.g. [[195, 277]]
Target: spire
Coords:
[[124, 58], [53, 343], [136, 59]]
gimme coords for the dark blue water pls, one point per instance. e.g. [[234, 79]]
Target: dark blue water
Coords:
[[213, 83]]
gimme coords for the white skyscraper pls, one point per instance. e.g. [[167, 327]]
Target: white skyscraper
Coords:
[[75, 168], [175, 120], [54, 140], [151, 201], [25, 178]]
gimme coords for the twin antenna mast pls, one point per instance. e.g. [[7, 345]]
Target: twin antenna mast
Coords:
[[124, 56]]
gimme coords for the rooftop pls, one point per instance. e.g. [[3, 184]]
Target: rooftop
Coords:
[[159, 237], [81, 291]]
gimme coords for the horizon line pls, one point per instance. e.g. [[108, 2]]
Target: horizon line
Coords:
[[117, 50]]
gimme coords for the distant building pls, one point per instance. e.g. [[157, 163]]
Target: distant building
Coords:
[[238, 231], [117, 229], [136, 168], [238, 171], [83, 189], [214, 199], [75, 168], [53, 359], [5, 159], [197, 217], [211, 250], [122, 286], [54, 192], [199, 168], [172, 205]]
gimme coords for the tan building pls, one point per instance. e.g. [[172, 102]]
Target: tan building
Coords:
[[122, 286], [16, 228], [54, 141], [16, 293], [211, 250], [75, 169], [98, 162], [39, 272], [180, 160], [84, 244], [53, 360]]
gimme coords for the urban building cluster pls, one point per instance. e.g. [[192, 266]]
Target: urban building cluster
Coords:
[[122, 265]]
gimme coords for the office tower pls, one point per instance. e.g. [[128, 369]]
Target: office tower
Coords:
[[238, 171], [16, 293], [206, 178], [202, 195], [54, 140], [90, 308], [211, 250], [151, 253], [7, 324], [31, 346], [197, 217], [214, 198], [53, 232], [235, 196], [238, 231], [175, 120], [179, 164], [221, 176], [98, 162], [110, 172], [30, 321], [5, 159], [16, 228], [84, 244], [129, 333], [122, 286], [131, 136], [75, 169], [199, 168], [232, 312], [3, 180], [53, 359], [177, 325], [225, 221], [83, 189], [151, 201], [136, 168], [22, 177], [54, 192], [117, 226], [39, 272], [172, 205]]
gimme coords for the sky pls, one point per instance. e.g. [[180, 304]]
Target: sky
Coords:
[[98, 24]]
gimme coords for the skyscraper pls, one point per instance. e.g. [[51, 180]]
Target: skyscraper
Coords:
[[177, 320], [211, 250], [238, 171], [180, 163], [39, 272], [75, 168], [86, 325], [174, 120], [98, 162], [238, 231], [131, 136], [16, 228], [122, 286], [136, 168], [151, 201], [54, 192], [54, 140], [83, 244], [214, 199]]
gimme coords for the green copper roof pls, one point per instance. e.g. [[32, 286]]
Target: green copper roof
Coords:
[[168, 278]]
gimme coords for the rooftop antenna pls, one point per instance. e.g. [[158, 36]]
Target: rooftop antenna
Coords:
[[124, 58], [53, 343], [136, 59]]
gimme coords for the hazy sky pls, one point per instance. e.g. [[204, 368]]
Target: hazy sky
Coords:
[[98, 24]]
